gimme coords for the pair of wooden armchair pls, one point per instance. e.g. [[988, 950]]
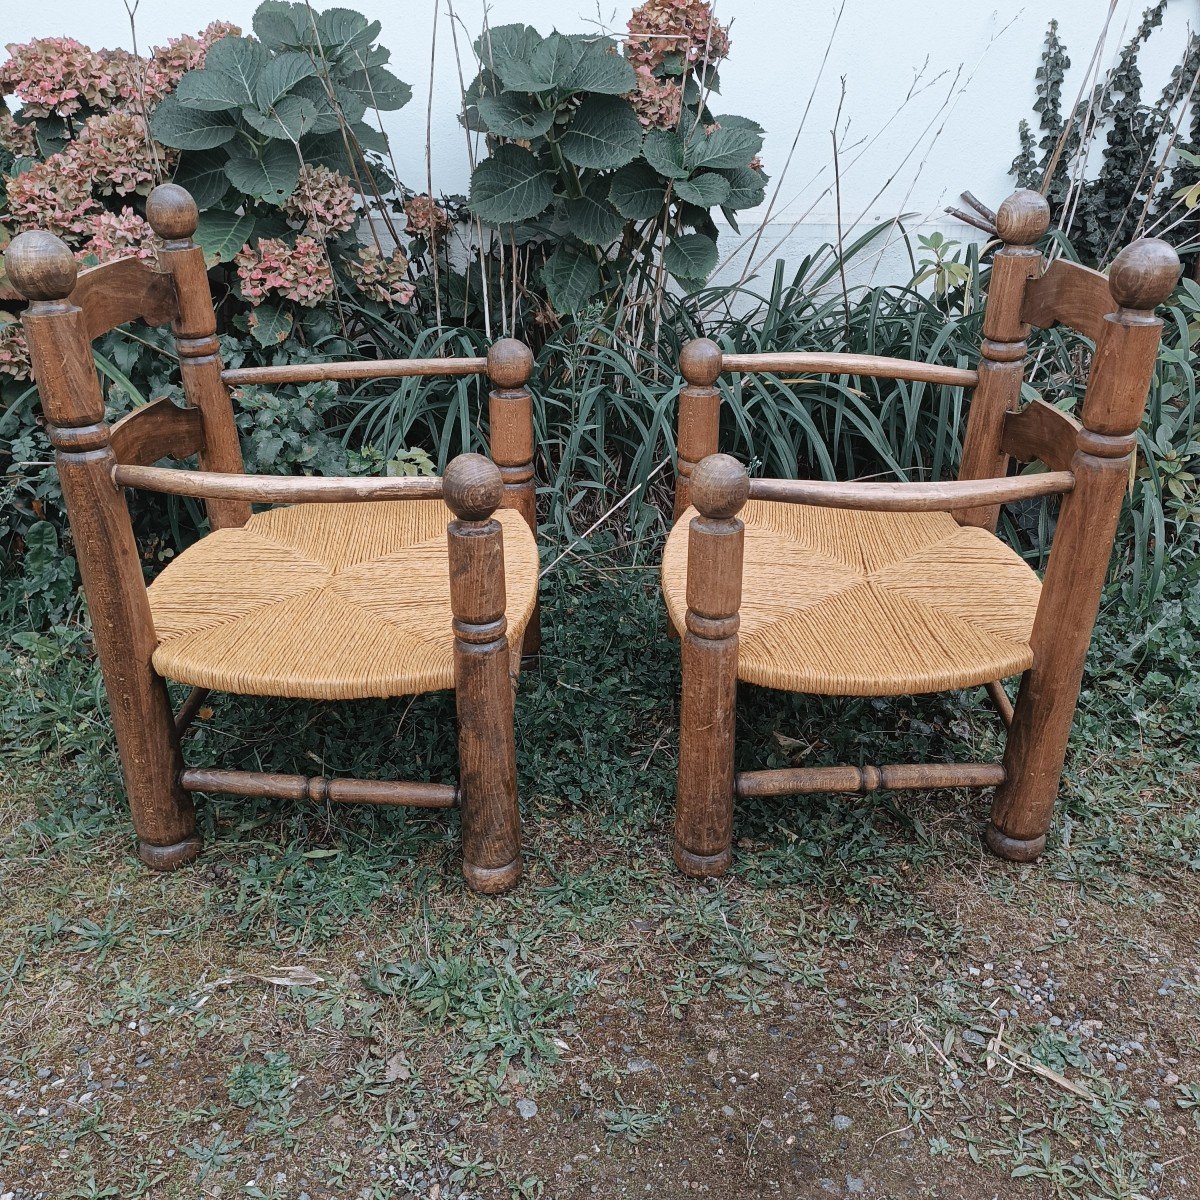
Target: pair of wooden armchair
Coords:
[[382, 587]]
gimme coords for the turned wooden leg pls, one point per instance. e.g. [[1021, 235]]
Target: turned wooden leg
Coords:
[[1141, 277], [707, 714], [491, 822], [43, 268]]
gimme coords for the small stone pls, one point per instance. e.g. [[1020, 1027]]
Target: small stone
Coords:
[[855, 1185], [728, 1113], [639, 1064], [841, 1123], [1150, 1104], [527, 1109]]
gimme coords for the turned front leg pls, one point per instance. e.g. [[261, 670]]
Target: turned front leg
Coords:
[[487, 782], [707, 713]]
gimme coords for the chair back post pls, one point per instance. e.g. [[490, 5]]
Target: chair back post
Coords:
[[707, 713], [510, 420], [1142, 277], [172, 214], [699, 414], [491, 824], [42, 268], [1021, 222]]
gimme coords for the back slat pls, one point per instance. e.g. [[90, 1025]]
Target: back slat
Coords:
[[1070, 295], [123, 290]]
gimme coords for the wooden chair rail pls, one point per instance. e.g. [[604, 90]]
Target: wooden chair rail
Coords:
[[124, 290], [1041, 433], [319, 789], [1070, 295], [263, 489], [160, 429], [911, 497], [902, 776], [875, 366], [189, 708], [384, 368]]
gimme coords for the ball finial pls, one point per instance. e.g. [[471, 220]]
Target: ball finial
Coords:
[[509, 364], [172, 212], [472, 487], [1023, 218], [1144, 274], [41, 266], [700, 362], [719, 486]]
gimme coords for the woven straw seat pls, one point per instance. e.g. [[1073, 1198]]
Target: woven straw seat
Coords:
[[841, 602], [326, 602]]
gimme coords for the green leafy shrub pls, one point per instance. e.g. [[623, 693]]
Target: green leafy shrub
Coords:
[[605, 167], [1116, 166]]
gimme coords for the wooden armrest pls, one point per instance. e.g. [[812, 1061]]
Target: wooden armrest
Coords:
[[809, 363], [912, 497], [383, 368], [267, 489]]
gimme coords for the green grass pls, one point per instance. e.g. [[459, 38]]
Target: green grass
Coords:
[[321, 988]]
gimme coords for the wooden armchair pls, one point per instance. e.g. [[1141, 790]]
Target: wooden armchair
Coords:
[[896, 588], [360, 588]]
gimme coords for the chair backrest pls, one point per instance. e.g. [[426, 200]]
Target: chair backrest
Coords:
[[69, 309], [1116, 311]]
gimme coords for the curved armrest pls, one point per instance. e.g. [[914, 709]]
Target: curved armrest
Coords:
[[265, 489], [808, 363], [384, 368], [912, 497]]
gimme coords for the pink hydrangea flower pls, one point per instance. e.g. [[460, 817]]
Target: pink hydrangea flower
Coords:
[[14, 352], [298, 273], [660, 28], [424, 216], [323, 202], [118, 235], [657, 102], [383, 278], [16, 138], [114, 151], [168, 64], [53, 195], [59, 75]]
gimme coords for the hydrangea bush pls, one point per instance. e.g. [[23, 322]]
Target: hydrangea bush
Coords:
[[608, 157]]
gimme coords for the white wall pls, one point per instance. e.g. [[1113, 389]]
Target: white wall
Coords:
[[969, 65]]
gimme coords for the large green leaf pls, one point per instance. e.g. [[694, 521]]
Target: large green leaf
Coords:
[[637, 191], [222, 234], [601, 69], [704, 190], [603, 134], [550, 66], [342, 32], [232, 69], [747, 188], [591, 218], [281, 75], [272, 177], [507, 43], [289, 120], [279, 24], [203, 174], [376, 87], [327, 119], [664, 151], [724, 147], [571, 279], [691, 258], [270, 324], [510, 186], [514, 115], [190, 128]]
